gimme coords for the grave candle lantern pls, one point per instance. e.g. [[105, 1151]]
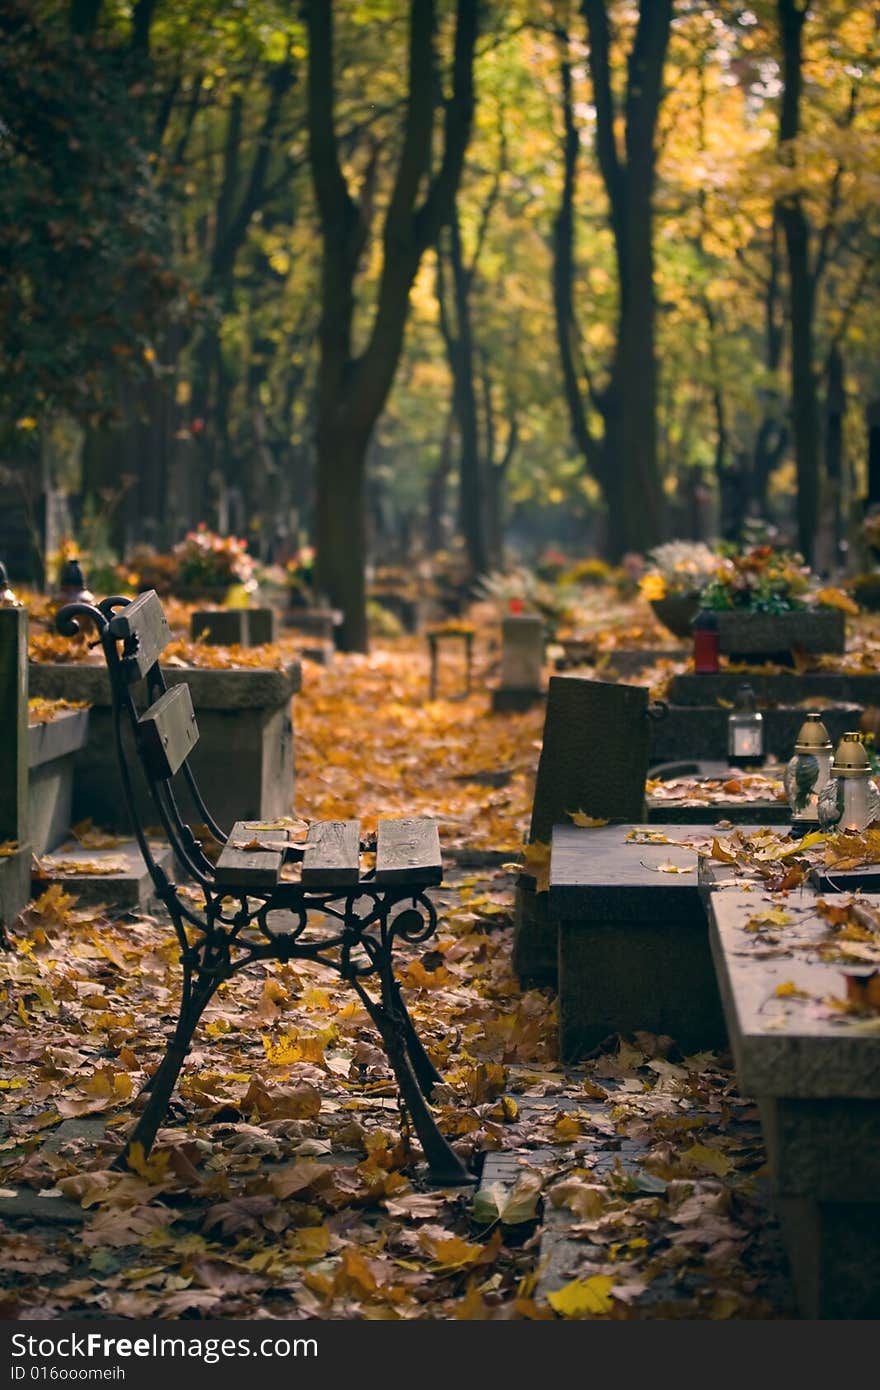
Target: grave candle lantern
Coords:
[[809, 769], [850, 799], [745, 730]]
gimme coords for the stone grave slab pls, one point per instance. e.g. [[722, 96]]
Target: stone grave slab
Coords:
[[116, 877], [632, 939], [815, 1073]]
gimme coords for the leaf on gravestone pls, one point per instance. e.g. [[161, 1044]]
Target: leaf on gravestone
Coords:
[[770, 917], [641, 835], [583, 1297], [670, 868], [789, 990], [719, 852], [587, 822], [537, 863]]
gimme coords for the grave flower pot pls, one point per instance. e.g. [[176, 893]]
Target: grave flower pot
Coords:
[[676, 612]]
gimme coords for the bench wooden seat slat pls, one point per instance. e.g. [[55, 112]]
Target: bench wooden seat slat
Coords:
[[252, 858], [408, 851], [144, 630], [254, 833], [168, 732], [331, 856]]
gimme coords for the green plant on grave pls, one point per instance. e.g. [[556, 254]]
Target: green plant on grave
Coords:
[[758, 580]]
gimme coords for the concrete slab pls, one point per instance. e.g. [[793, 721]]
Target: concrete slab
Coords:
[[116, 877]]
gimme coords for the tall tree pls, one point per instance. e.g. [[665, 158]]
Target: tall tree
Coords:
[[353, 386], [801, 282], [624, 458]]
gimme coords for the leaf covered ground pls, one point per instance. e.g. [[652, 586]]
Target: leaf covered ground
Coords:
[[283, 1185]]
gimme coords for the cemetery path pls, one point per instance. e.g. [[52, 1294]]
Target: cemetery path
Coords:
[[630, 1187]]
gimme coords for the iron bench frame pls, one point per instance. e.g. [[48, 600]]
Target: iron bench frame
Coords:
[[365, 918]]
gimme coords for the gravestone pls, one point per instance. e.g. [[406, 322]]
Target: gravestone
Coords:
[[244, 758], [15, 865], [522, 663], [318, 626], [243, 627], [594, 759]]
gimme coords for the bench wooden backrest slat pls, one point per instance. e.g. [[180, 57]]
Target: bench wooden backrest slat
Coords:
[[408, 851], [168, 732], [252, 857], [144, 629], [331, 856]]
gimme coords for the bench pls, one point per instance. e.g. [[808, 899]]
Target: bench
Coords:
[[255, 909]]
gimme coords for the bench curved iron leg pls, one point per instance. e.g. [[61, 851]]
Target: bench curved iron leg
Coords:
[[391, 1020], [164, 1079], [426, 1073]]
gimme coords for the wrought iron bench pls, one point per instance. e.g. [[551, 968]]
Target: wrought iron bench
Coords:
[[251, 913]]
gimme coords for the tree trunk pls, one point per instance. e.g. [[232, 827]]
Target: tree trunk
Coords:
[[872, 421], [804, 397], [835, 408], [341, 529], [625, 461], [352, 390]]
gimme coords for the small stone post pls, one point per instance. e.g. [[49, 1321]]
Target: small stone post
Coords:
[[15, 867], [522, 663]]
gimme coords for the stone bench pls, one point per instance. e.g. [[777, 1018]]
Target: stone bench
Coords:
[[244, 760], [815, 1074]]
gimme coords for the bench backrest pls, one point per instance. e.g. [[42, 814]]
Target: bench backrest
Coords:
[[144, 632]]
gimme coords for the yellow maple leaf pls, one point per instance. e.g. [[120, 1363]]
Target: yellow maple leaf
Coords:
[[789, 990], [711, 1160], [152, 1169], [836, 598], [566, 1127], [581, 1298], [587, 822], [451, 1252]]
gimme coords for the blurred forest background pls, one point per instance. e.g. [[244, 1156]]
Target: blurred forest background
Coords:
[[439, 282]]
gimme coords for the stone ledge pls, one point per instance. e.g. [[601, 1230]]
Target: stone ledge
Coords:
[[781, 1049], [66, 733], [777, 688], [255, 687]]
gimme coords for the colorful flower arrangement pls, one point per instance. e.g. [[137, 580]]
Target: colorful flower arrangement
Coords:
[[759, 580], [678, 569], [207, 560]]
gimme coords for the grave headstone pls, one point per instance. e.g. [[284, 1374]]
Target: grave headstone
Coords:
[[594, 759], [522, 663], [243, 627], [15, 862]]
